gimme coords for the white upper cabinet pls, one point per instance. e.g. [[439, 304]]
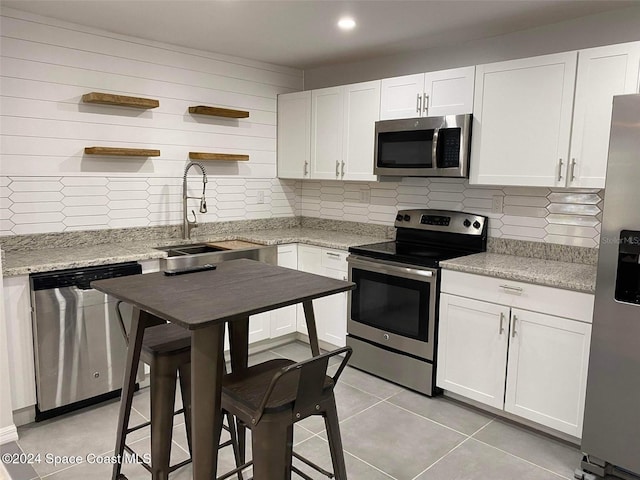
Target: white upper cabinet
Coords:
[[361, 112], [294, 134], [342, 131], [522, 120], [445, 92], [545, 121], [602, 73], [327, 122]]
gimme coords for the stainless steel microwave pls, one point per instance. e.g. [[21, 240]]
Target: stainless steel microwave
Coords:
[[423, 147]]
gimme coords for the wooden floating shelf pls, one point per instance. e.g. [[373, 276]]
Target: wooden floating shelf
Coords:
[[225, 157], [122, 152], [218, 112], [121, 100]]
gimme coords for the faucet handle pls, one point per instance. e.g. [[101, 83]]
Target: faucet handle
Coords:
[[195, 219], [203, 205]]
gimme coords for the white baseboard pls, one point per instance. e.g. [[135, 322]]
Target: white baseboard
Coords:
[[8, 434]]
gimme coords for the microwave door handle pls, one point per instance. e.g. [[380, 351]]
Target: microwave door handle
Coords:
[[434, 147]]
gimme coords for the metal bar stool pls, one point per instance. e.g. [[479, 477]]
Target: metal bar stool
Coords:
[[269, 398], [166, 348]]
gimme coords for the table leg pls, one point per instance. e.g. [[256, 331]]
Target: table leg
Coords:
[[239, 345], [207, 358], [311, 327], [139, 321]]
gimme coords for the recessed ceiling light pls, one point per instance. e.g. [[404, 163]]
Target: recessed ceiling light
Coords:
[[346, 23]]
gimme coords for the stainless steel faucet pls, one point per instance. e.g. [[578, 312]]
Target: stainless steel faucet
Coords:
[[187, 224]]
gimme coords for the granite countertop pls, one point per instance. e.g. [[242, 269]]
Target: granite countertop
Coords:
[[49, 259], [571, 276]]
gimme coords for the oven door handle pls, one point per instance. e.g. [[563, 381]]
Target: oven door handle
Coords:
[[392, 269]]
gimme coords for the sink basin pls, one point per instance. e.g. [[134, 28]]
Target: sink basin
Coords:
[[192, 249], [196, 254]]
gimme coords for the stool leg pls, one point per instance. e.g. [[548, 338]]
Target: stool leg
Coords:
[[139, 322], [185, 391], [272, 440], [233, 433], [163, 392], [335, 441]]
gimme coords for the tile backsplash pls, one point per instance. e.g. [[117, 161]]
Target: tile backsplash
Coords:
[[57, 204], [570, 217]]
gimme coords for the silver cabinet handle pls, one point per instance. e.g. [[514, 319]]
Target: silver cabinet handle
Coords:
[[331, 254], [501, 331], [425, 103], [572, 175], [419, 104], [337, 168], [434, 148], [513, 330], [306, 169], [512, 288], [343, 169], [560, 170]]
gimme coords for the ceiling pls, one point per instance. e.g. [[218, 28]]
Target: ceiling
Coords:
[[303, 33]]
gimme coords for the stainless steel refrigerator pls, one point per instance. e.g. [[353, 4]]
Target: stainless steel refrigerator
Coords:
[[611, 434]]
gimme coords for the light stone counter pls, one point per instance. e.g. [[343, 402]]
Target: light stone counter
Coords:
[[24, 262], [570, 276]]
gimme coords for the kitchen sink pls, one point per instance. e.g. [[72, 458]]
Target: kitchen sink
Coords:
[[196, 254], [190, 249]]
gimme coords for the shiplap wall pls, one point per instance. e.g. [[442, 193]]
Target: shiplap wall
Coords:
[[49, 184]]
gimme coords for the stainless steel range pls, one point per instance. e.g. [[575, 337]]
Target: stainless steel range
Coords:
[[393, 312]]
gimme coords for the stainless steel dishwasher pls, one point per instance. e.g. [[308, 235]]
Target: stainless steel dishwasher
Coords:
[[79, 347]]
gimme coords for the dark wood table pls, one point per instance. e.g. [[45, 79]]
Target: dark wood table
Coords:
[[203, 302]]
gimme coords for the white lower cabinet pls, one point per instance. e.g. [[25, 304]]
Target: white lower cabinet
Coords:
[[330, 312], [17, 310], [473, 348], [283, 320], [547, 370], [529, 363]]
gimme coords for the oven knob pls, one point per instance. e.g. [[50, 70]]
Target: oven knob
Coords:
[[399, 218], [466, 223], [476, 224], [407, 218], [385, 336]]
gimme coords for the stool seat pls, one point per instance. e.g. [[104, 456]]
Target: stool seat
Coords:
[[168, 339], [269, 398]]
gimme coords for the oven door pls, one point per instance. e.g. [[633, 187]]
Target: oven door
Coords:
[[393, 305]]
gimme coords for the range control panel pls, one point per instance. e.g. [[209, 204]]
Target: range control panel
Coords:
[[442, 220]]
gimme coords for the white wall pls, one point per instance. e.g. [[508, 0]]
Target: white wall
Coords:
[[49, 184], [617, 26]]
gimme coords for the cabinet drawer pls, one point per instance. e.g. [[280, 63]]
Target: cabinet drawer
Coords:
[[553, 301], [335, 259]]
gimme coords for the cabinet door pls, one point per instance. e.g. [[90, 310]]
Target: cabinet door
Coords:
[[448, 92], [309, 260], [331, 313], [294, 134], [522, 121], [401, 97], [472, 349], [361, 111], [547, 370], [22, 375], [283, 320], [602, 73], [326, 132]]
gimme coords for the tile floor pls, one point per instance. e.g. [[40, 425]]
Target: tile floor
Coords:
[[388, 432]]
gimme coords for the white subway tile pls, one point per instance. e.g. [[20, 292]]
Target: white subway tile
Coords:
[[84, 201], [526, 201], [86, 220], [127, 186], [83, 181], [29, 197], [571, 231], [46, 217], [36, 207], [128, 195], [40, 186], [570, 197], [573, 209], [37, 228], [576, 241], [130, 213], [525, 211], [524, 221], [519, 231], [128, 222], [84, 191]]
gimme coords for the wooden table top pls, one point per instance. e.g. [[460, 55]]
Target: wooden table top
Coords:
[[235, 289]]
